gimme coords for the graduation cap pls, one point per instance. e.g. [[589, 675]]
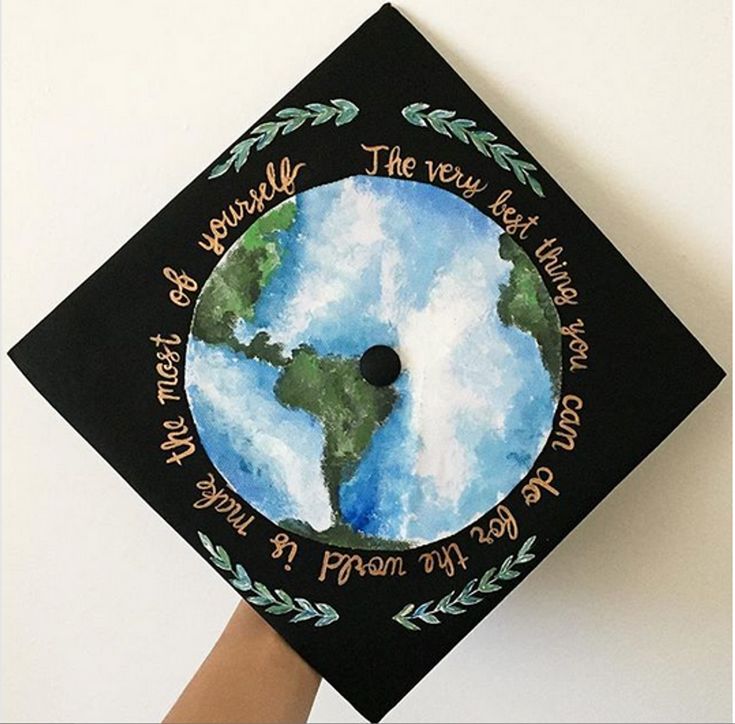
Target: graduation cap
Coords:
[[373, 363]]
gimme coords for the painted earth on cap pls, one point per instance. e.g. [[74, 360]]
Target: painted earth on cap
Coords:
[[272, 364]]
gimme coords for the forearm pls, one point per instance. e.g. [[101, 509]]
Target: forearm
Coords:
[[251, 675]]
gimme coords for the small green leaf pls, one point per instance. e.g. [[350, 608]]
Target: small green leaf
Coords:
[[412, 113], [504, 150], [519, 170], [445, 602], [483, 136], [243, 586], [469, 600], [469, 588], [438, 120], [279, 609], [347, 111], [326, 609], [291, 113], [241, 152], [526, 547], [259, 601], [488, 575], [303, 603], [303, 616], [221, 168], [294, 123], [422, 609], [536, 186], [467, 597], [508, 575], [263, 591], [487, 580], [406, 623], [324, 622], [507, 563], [329, 615], [430, 618], [206, 543], [459, 128], [441, 113], [242, 575], [406, 610], [221, 559], [499, 152], [242, 580], [267, 132], [482, 148], [266, 127], [323, 113], [219, 563], [284, 597]]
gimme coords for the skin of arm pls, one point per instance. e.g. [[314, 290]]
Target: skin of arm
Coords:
[[251, 675]]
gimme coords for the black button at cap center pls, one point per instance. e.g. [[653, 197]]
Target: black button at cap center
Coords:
[[380, 365]]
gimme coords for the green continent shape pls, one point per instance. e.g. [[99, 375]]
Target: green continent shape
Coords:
[[235, 285], [350, 410], [525, 303]]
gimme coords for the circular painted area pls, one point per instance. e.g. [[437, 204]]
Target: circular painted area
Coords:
[[273, 364]]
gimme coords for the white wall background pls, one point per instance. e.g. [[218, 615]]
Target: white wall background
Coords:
[[110, 108]]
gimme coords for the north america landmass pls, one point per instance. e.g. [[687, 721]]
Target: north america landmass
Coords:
[[330, 387]]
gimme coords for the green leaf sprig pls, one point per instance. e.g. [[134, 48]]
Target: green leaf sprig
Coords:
[[278, 603], [289, 119], [410, 616], [466, 131]]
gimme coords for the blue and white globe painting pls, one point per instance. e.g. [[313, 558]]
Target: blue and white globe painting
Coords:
[[272, 364]]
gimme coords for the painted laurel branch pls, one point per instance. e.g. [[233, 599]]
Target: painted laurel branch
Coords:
[[341, 111], [279, 602], [465, 130], [454, 605]]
